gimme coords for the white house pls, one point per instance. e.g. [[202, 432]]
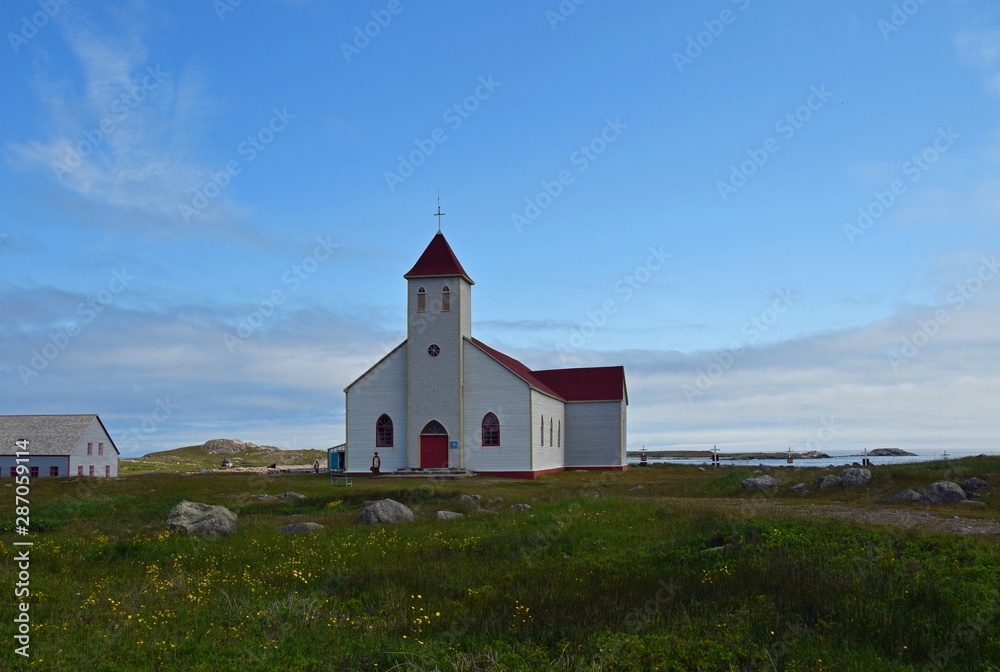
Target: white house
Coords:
[[57, 445], [444, 399]]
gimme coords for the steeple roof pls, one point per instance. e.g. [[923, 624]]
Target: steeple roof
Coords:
[[438, 261]]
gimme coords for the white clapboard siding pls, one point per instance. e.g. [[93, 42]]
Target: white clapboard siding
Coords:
[[548, 449], [595, 433], [382, 389], [491, 387], [95, 434], [434, 381]]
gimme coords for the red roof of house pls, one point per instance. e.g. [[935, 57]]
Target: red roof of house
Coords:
[[599, 383], [437, 261], [596, 383]]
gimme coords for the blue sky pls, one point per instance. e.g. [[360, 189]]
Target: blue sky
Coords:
[[780, 217]]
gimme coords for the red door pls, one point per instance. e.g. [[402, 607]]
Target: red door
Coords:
[[434, 451]]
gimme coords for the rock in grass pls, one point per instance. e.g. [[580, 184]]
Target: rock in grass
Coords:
[[943, 492], [203, 520], [448, 515], [470, 499], [267, 498], [906, 496], [798, 488], [828, 481], [386, 511], [300, 528], [760, 483], [975, 484], [852, 477], [520, 507], [291, 495]]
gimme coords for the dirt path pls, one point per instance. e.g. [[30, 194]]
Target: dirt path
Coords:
[[915, 518]]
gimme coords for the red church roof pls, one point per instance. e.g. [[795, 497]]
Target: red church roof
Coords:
[[437, 261], [596, 383], [599, 383]]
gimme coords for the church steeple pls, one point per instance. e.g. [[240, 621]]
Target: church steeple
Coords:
[[438, 261]]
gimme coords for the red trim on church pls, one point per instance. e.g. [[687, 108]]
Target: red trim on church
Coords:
[[438, 261]]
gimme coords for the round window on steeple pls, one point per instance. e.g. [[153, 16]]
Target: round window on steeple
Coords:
[[433, 350]]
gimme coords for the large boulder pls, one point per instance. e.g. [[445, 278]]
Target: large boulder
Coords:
[[828, 481], [230, 446], [906, 496], [760, 483], [470, 499], [943, 492], [300, 528], [851, 477], [203, 520], [385, 511], [975, 484]]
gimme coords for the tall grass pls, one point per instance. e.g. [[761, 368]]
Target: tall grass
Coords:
[[595, 576]]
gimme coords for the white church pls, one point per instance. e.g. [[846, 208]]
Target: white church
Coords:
[[442, 399]]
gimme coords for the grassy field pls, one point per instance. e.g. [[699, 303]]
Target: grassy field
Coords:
[[684, 573]]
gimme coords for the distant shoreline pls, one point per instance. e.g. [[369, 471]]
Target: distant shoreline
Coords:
[[809, 455]]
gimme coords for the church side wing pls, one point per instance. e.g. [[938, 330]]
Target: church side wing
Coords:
[[379, 391]]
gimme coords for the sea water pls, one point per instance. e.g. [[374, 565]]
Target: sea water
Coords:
[[835, 460]]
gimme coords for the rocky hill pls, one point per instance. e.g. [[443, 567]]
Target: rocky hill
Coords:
[[233, 446]]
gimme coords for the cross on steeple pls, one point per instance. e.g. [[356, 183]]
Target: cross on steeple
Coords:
[[439, 214]]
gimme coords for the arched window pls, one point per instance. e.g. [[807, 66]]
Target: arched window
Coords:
[[551, 442], [559, 435], [383, 432], [491, 430], [445, 299], [434, 427], [421, 300], [543, 430]]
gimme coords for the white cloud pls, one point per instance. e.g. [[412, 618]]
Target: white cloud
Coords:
[[120, 135]]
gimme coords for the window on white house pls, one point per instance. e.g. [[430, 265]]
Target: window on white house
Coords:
[[445, 299], [559, 436], [90, 448], [107, 471], [543, 430], [91, 470], [79, 471], [53, 471], [421, 300], [550, 433], [100, 448]]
